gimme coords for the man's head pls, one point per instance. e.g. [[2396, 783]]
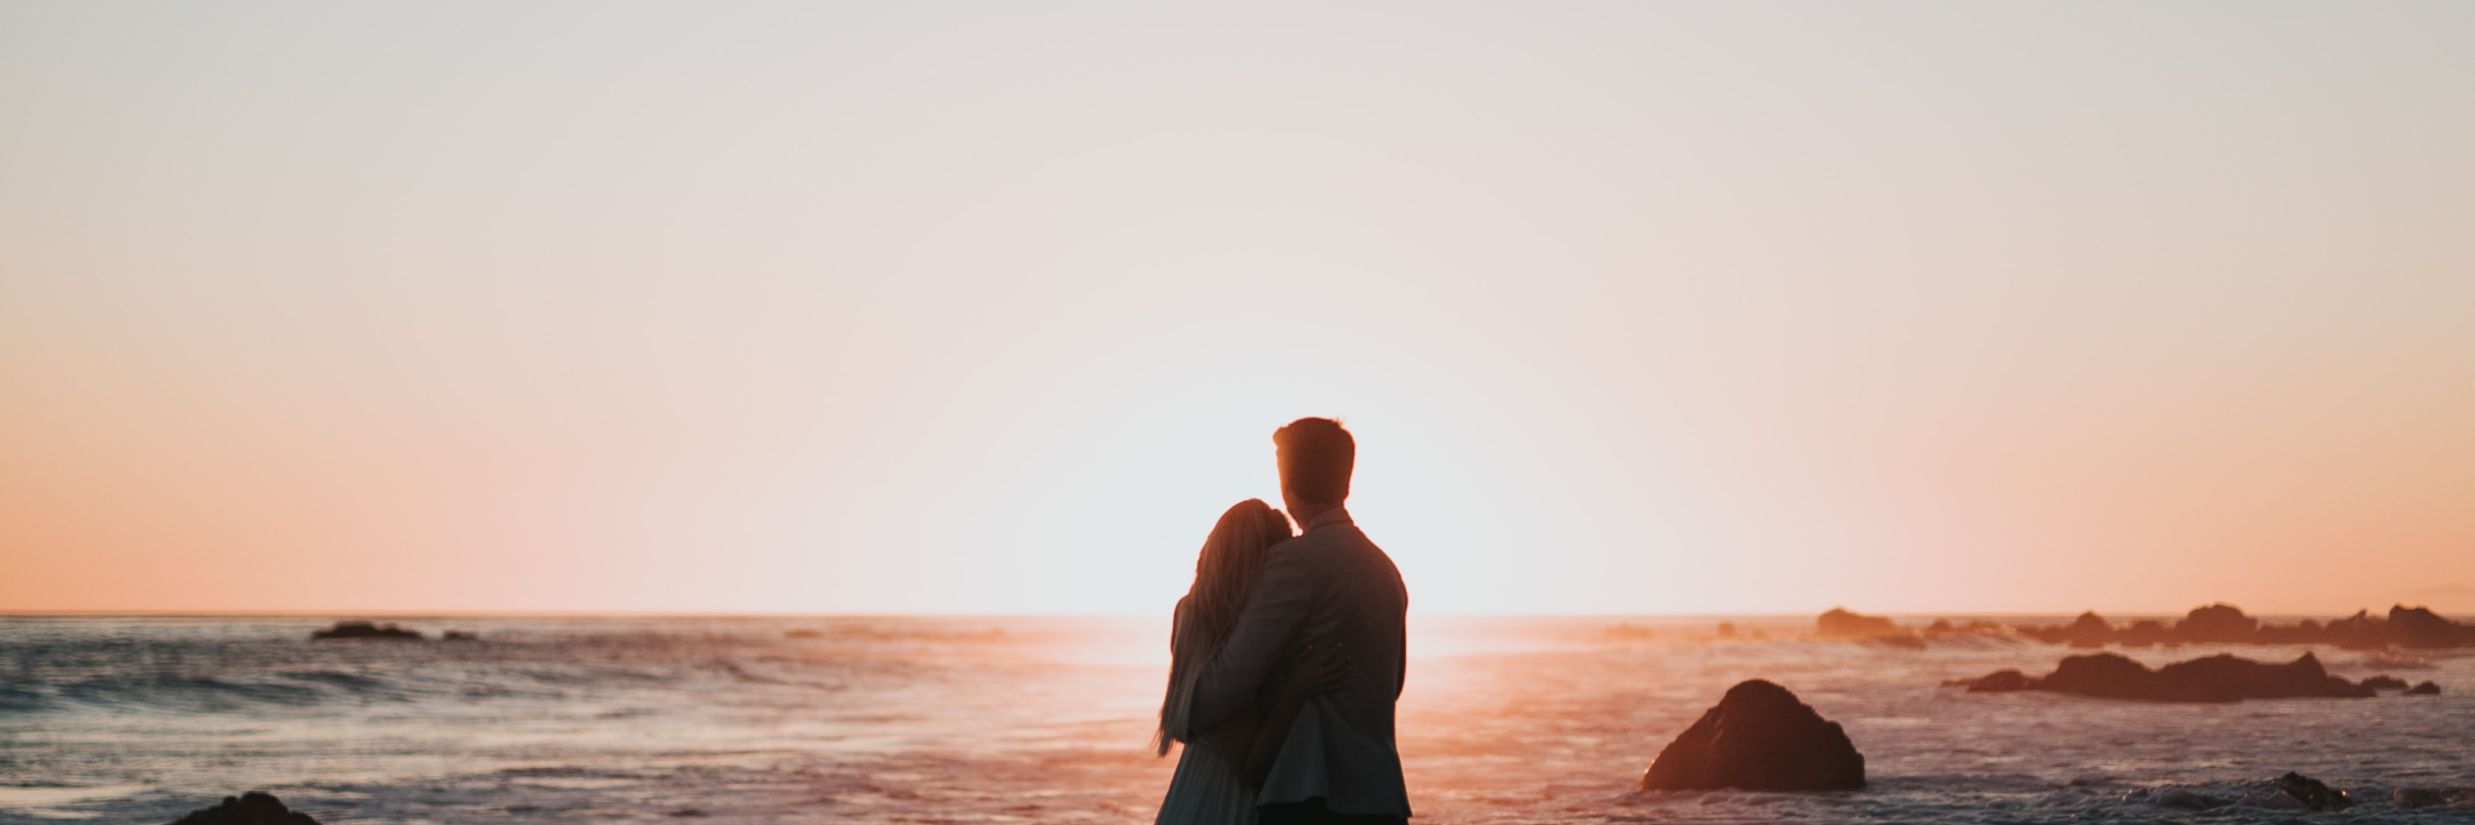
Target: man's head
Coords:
[[1316, 455]]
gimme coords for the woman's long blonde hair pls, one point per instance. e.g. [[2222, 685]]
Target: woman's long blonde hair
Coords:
[[1225, 574]]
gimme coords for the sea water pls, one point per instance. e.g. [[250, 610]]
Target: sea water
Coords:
[[1047, 720]]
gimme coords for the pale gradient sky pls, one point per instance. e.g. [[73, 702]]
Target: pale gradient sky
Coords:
[[992, 307]]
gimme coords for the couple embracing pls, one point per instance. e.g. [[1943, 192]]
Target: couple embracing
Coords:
[[1287, 656]]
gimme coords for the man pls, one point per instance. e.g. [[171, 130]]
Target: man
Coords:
[[1338, 763]]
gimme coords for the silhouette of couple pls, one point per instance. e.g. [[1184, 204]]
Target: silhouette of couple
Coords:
[[1286, 658]]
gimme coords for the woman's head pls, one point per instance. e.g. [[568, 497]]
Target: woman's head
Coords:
[[1232, 558], [1225, 573]]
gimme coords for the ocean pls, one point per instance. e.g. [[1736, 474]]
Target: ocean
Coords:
[[1046, 720]]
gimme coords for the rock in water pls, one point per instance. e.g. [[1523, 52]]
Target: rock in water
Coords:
[[2220, 678], [2000, 681], [252, 808], [2425, 689], [2432, 798], [2384, 682], [1759, 738], [2219, 622], [1842, 623], [2313, 794], [2420, 627], [366, 630], [2089, 630]]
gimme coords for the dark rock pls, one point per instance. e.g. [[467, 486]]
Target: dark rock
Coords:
[[2421, 628], [252, 808], [366, 630], [2356, 632], [2220, 678], [1841, 623], [2190, 800], [459, 636], [1759, 737], [2102, 674], [2312, 793], [2432, 797], [2089, 630], [2425, 689], [2217, 623], [2000, 681], [2384, 683], [2404, 627], [2145, 633]]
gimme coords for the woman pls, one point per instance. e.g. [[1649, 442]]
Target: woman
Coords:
[[1221, 768]]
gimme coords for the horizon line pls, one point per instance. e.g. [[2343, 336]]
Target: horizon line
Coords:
[[393, 613]]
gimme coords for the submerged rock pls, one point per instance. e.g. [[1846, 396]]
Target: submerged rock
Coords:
[[459, 636], [366, 630], [252, 808], [2312, 794], [2189, 800], [2220, 678], [1759, 737], [2432, 797], [2425, 689], [2290, 792]]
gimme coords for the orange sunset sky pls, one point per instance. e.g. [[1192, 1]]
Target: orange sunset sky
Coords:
[[921, 307]]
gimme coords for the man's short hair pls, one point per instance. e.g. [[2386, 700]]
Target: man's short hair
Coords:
[[1316, 456]]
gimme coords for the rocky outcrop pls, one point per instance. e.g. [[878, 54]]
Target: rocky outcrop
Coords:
[[252, 808], [2425, 689], [2421, 628], [366, 630], [2403, 627], [1759, 737], [1842, 623], [2221, 678], [2384, 682], [2089, 630]]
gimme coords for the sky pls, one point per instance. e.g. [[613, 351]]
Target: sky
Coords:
[[992, 308]]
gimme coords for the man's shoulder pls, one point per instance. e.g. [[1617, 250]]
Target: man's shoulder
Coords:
[[1328, 548]]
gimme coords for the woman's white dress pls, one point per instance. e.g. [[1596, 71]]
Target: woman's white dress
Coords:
[[1206, 789]]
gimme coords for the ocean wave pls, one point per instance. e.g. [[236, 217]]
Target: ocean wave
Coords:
[[173, 692]]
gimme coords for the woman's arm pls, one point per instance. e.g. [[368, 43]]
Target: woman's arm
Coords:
[[1321, 668]]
